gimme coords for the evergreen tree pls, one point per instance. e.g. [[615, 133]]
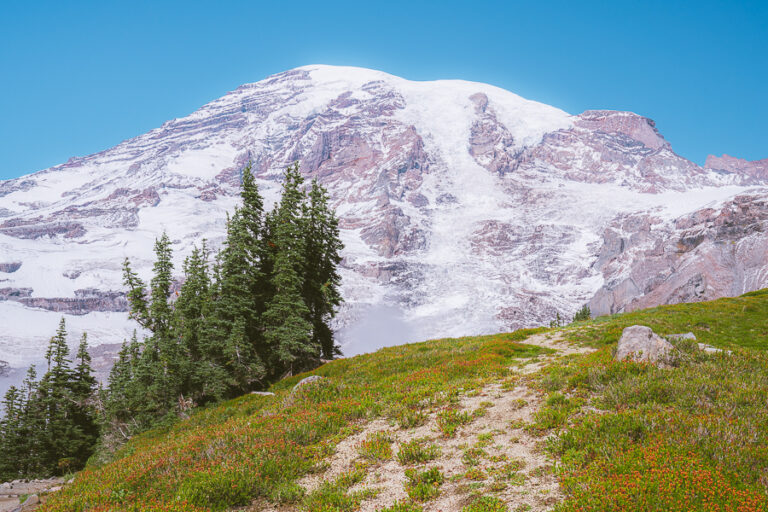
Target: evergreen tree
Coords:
[[582, 314], [55, 401], [321, 279], [157, 372], [12, 443], [234, 329], [83, 386], [32, 428], [203, 375], [287, 327], [137, 296]]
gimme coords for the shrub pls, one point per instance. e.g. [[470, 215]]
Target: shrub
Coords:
[[486, 504], [423, 485], [449, 420], [377, 447], [417, 451]]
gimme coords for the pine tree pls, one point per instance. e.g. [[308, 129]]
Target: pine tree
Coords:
[[234, 328], [288, 330], [582, 314], [32, 427], [321, 279], [11, 435], [137, 296], [83, 387], [157, 372], [203, 375]]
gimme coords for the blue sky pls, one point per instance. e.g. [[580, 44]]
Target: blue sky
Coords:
[[79, 77]]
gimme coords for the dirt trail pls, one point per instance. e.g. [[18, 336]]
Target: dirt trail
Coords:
[[498, 439]]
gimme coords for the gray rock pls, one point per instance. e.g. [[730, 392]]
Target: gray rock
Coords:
[[31, 501], [684, 336], [640, 343], [709, 349], [307, 380], [262, 393]]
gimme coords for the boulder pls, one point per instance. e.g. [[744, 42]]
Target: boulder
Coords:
[[307, 380], [684, 336], [31, 502], [262, 393], [640, 343]]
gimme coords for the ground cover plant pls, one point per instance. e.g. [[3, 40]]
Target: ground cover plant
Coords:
[[625, 436], [694, 437], [256, 446]]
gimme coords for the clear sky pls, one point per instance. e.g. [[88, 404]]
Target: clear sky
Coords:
[[77, 77]]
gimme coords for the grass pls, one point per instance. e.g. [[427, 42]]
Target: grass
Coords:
[[377, 447], [729, 322], [417, 451], [486, 504], [257, 447], [626, 436], [423, 485], [690, 438], [335, 496], [403, 506], [449, 421]]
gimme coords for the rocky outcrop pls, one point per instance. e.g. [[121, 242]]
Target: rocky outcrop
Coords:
[[9, 293], [638, 128], [754, 172], [10, 268], [38, 229], [24, 495], [84, 301], [710, 253], [490, 142], [639, 343]]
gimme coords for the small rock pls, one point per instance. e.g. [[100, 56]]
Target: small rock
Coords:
[[709, 349], [684, 336], [30, 502], [307, 380], [55, 488], [640, 343], [262, 393]]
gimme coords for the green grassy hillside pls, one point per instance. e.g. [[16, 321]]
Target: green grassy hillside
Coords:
[[623, 436]]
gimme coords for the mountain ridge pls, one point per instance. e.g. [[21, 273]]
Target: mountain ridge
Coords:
[[456, 200]]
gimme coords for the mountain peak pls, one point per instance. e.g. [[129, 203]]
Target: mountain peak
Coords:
[[447, 191]]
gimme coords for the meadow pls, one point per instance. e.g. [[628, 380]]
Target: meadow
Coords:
[[622, 436]]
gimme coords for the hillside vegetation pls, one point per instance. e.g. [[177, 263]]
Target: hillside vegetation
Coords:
[[620, 435]]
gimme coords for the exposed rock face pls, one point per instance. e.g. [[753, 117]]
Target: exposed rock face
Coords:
[[462, 206], [84, 301], [10, 268], [710, 253], [639, 343], [755, 172]]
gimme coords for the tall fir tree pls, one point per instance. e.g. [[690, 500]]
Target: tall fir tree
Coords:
[[321, 278], [85, 415], [240, 292], [12, 442], [287, 328], [203, 374]]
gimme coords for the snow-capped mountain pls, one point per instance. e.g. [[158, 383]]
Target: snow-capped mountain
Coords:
[[464, 209]]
